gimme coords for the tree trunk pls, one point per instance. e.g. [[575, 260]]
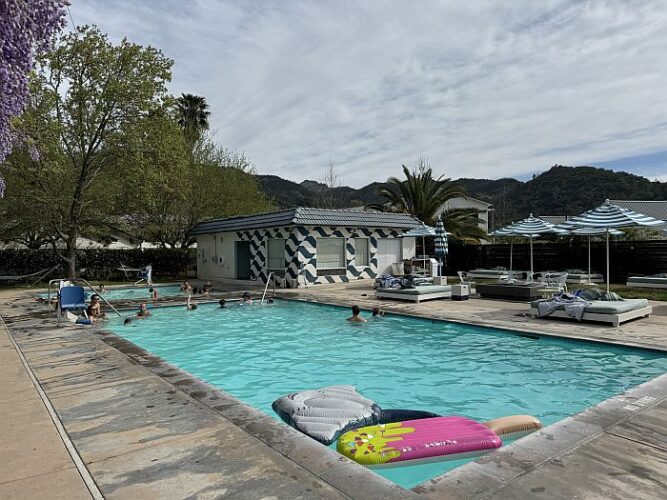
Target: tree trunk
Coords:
[[71, 257]]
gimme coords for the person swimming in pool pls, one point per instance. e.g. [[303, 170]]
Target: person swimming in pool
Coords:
[[153, 292], [356, 318], [190, 306], [94, 310], [127, 321], [186, 287], [378, 313], [246, 298], [143, 311], [223, 303]]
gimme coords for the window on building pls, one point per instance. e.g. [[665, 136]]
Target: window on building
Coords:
[[331, 254], [275, 259], [361, 251]]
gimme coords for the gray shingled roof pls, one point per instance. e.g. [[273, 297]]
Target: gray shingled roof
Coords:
[[655, 209], [553, 219], [303, 216]]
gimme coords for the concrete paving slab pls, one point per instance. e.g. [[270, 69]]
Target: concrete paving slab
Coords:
[[606, 467], [648, 427], [61, 485], [30, 444], [208, 466], [124, 417], [16, 387]]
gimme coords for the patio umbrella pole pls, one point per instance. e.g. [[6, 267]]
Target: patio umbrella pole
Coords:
[[607, 233], [511, 249], [531, 260], [589, 260], [424, 254]]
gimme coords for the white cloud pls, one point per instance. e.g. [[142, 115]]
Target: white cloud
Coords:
[[486, 89]]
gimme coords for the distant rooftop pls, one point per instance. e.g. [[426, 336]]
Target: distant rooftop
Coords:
[[554, 219], [303, 216], [655, 209]]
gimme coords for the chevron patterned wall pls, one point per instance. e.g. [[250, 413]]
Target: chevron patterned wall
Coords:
[[301, 252]]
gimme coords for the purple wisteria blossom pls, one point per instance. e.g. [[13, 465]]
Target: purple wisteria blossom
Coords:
[[26, 28]]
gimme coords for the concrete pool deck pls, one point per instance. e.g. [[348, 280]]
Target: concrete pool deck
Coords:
[[145, 428]]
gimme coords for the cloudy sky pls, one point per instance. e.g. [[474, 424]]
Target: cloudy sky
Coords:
[[483, 88]]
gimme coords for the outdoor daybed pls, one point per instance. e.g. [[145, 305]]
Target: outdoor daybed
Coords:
[[653, 281], [417, 294], [605, 311], [498, 274], [578, 276]]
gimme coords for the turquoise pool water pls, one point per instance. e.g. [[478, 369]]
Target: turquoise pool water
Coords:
[[135, 292], [258, 353]]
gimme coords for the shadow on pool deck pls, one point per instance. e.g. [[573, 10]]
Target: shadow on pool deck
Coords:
[[144, 428]]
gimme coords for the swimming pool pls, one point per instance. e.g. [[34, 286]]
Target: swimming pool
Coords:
[[134, 293], [258, 353]]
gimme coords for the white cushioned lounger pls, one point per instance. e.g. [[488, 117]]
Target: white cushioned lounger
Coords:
[[489, 273], [418, 294], [614, 312], [646, 282], [583, 278]]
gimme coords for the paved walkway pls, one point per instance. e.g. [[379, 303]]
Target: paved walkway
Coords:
[[34, 462]]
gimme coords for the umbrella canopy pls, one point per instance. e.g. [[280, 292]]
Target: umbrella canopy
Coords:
[[530, 227], [507, 232], [441, 247], [609, 216], [422, 231]]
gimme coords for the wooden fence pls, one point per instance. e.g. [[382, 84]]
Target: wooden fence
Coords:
[[627, 258]]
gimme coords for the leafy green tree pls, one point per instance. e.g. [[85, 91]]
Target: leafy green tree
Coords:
[[193, 116], [423, 196], [87, 91], [174, 188]]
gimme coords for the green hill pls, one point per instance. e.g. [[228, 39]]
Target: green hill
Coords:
[[560, 190]]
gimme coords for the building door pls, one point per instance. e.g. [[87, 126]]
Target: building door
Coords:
[[242, 260], [389, 252]]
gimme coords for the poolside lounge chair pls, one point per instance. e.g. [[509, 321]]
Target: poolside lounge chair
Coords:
[[653, 281], [614, 312], [417, 294], [554, 281]]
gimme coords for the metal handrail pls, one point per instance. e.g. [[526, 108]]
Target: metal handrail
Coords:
[[268, 280], [48, 293]]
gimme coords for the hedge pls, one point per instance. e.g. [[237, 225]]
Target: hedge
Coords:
[[101, 263]]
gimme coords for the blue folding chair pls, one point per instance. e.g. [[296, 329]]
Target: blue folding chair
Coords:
[[71, 298]]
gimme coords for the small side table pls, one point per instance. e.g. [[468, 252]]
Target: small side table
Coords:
[[439, 280], [460, 292]]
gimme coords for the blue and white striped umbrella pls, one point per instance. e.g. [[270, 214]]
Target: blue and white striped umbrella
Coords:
[[530, 227], [609, 216], [441, 247]]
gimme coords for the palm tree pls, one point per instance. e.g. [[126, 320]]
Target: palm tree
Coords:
[[192, 112], [423, 197]]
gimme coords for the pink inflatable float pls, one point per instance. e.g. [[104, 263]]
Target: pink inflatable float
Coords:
[[427, 440]]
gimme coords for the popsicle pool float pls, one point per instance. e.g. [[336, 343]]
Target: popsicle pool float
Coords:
[[429, 440]]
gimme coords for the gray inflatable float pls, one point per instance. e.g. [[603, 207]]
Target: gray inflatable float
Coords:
[[326, 413]]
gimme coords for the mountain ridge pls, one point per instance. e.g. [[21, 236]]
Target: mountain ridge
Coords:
[[560, 190]]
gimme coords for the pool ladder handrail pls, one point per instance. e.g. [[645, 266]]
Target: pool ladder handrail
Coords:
[[268, 280], [72, 280]]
